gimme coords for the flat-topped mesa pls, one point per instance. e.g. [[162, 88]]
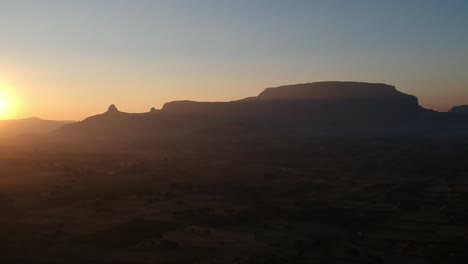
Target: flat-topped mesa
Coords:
[[461, 109], [321, 99], [332, 91]]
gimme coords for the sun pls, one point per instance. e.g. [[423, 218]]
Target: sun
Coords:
[[8, 103], [3, 106]]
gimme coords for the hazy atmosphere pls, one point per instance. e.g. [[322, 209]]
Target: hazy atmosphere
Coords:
[[233, 132], [69, 59]]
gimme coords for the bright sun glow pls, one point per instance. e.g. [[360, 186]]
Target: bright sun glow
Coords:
[[3, 106], [8, 103]]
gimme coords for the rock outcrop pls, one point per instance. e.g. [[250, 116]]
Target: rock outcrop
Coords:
[[112, 109]]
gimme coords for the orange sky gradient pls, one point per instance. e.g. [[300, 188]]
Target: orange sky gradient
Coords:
[[67, 60], [62, 94]]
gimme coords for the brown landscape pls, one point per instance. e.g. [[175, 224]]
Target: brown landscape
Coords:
[[334, 197], [233, 132], [312, 203]]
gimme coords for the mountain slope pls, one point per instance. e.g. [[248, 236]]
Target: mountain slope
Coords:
[[461, 109], [28, 126]]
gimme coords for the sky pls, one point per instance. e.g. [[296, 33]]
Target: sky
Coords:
[[70, 59]]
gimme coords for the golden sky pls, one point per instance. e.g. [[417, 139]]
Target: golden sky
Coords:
[[71, 59]]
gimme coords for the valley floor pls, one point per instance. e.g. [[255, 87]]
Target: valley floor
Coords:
[[325, 201]]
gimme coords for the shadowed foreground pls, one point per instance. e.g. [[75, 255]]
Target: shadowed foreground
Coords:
[[321, 201]]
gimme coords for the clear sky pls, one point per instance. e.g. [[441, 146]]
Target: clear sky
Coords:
[[68, 59]]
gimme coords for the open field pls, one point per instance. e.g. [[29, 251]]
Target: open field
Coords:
[[325, 201]]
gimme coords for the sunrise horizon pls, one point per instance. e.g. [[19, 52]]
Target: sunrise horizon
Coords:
[[68, 60], [233, 131], [11, 108]]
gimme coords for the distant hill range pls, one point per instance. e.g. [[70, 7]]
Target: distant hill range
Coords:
[[462, 109], [28, 126], [295, 111]]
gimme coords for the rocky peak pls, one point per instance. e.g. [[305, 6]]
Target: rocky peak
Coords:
[[112, 109]]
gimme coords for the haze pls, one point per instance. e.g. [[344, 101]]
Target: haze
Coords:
[[233, 131], [70, 59]]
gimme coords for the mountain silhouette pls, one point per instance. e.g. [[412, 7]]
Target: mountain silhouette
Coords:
[[461, 109], [322, 100], [297, 110], [333, 91], [112, 109]]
